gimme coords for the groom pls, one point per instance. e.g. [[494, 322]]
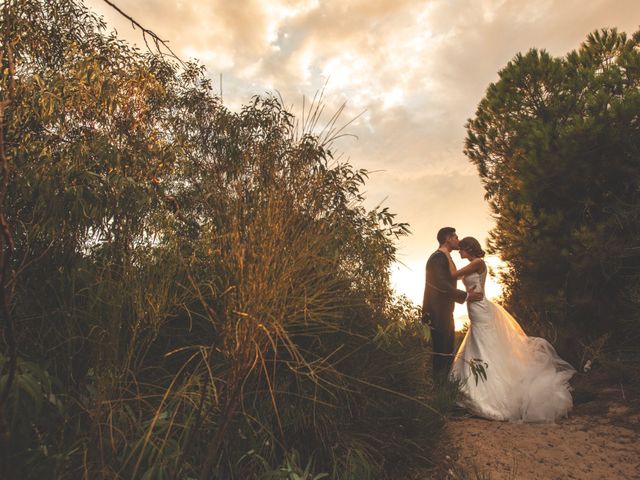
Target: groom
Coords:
[[440, 293]]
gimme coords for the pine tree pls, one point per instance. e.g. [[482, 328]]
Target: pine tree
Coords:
[[557, 144]]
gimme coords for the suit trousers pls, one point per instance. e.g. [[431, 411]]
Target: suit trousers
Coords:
[[442, 341]]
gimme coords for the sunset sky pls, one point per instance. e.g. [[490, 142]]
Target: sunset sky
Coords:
[[415, 70]]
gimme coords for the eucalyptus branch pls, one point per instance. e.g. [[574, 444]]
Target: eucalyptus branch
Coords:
[[147, 34]]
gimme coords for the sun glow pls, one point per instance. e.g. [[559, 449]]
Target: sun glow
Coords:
[[408, 280]]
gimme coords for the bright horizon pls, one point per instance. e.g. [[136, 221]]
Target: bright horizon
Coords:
[[404, 280]]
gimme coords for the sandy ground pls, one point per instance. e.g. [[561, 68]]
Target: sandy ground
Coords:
[[578, 448], [600, 440]]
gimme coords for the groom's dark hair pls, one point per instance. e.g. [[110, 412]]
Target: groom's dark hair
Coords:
[[444, 233]]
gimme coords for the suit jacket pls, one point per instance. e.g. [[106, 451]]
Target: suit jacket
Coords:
[[440, 292]]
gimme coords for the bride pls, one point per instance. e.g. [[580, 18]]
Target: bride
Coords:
[[504, 374]]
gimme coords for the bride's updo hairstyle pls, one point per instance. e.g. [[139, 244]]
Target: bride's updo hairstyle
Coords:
[[471, 245]]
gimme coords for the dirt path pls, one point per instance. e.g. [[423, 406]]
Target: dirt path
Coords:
[[600, 440], [578, 448]]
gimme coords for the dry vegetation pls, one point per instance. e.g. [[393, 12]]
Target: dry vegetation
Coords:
[[193, 292]]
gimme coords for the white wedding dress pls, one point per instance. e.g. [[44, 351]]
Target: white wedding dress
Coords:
[[526, 380]]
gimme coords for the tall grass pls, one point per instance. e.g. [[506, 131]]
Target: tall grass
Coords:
[[199, 293]]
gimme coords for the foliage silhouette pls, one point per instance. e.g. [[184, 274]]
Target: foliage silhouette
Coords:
[[198, 293], [557, 144]]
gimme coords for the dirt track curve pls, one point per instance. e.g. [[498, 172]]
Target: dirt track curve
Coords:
[[599, 440]]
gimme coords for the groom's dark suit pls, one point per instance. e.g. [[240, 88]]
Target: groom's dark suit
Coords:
[[440, 293]]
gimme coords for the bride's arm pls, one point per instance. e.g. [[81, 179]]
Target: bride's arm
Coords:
[[452, 266], [476, 265]]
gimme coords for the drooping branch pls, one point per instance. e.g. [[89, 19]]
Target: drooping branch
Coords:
[[147, 34]]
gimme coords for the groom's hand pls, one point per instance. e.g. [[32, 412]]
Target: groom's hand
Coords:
[[473, 296]]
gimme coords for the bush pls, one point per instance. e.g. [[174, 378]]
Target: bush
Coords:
[[198, 292]]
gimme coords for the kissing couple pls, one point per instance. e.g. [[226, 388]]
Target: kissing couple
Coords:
[[523, 377]]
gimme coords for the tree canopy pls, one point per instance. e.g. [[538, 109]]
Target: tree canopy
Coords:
[[557, 144]]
